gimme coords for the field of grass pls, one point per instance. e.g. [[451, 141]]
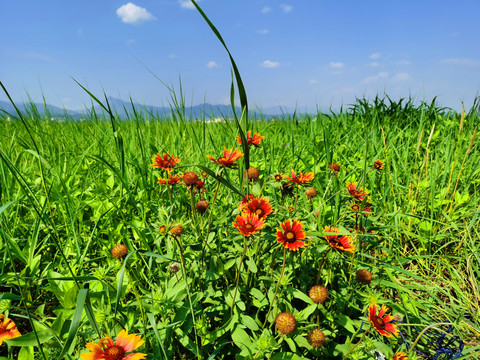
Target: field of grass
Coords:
[[71, 191], [344, 235]]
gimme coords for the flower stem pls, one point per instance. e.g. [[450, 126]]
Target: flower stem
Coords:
[[210, 219], [237, 280], [319, 274], [276, 289], [358, 343]]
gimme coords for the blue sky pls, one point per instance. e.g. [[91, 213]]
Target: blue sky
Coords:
[[290, 53]]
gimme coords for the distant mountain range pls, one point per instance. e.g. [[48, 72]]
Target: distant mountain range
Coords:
[[124, 110]]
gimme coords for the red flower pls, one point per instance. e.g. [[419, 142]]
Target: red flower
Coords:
[[340, 242], [382, 322], [245, 201], [251, 140], [173, 179], [260, 207], [229, 157], [301, 178], [107, 349], [8, 329], [356, 193], [291, 235], [248, 224], [165, 161]]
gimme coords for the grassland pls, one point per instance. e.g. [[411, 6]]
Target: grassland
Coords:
[[71, 191]]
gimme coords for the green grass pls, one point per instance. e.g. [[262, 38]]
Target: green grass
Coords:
[[70, 191]]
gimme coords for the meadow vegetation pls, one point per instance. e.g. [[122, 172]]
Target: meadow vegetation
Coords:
[[351, 234]]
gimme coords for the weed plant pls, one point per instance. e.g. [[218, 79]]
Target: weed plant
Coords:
[[350, 234]]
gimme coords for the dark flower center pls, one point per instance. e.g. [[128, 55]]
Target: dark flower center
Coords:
[[249, 226], [378, 322], [259, 212], [114, 352], [290, 235]]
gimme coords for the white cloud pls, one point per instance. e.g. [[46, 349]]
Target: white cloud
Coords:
[[286, 8], [266, 9], [375, 56], [312, 82], [379, 76], [80, 32], [404, 62], [133, 14], [263, 31], [336, 65], [270, 64], [462, 61], [212, 64], [374, 64], [403, 76], [172, 56], [129, 42], [187, 4]]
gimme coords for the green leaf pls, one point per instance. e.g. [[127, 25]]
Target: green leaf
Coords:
[[76, 321], [243, 341], [29, 339], [252, 266]]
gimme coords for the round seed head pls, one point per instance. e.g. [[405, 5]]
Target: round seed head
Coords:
[[316, 338], [311, 192], [174, 267], [176, 230], [201, 206], [334, 167], [119, 251], [364, 276], [253, 173], [190, 178], [318, 294], [285, 323]]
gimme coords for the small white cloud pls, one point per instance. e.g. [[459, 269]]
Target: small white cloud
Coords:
[[336, 65], [187, 4], [129, 42], [212, 65], [80, 32], [379, 76], [375, 56], [312, 82], [266, 9], [404, 62], [263, 31], [172, 56], [374, 64], [270, 64], [286, 8], [133, 14], [462, 61], [402, 76]]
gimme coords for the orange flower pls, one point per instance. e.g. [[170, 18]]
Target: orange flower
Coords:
[[400, 356], [165, 161], [107, 349], [248, 224], [340, 242], [291, 235], [301, 178], [245, 201], [229, 157], [356, 193], [173, 179], [382, 322], [260, 207], [251, 140], [378, 165], [8, 329]]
